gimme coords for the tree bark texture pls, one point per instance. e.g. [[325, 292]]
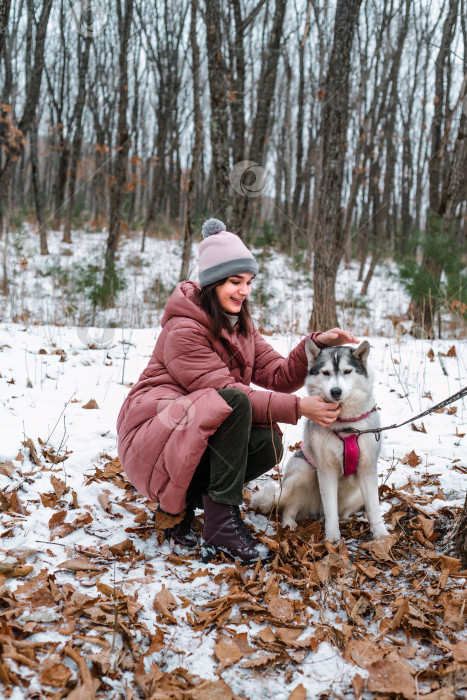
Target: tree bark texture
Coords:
[[4, 14], [335, 117], [422, 312], [37, 189], [264, 99], [460, 536], [14, 147], [125, 14], [78, 135], [219, 126], [197, 148]]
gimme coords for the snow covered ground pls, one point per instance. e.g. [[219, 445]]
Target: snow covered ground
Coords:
[[49, 373]]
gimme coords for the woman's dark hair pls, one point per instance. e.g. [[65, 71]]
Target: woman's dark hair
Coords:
[[207, 299]]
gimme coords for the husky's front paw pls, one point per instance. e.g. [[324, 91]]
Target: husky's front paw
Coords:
[[379, 531], [289, 521], [332, 535]]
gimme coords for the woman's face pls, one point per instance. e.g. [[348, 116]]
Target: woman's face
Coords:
[[234, 291]]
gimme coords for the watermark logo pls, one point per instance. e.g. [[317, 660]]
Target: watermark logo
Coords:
[[89, 17], [96, 338], [176, 412], [15, 257], [248, 179]]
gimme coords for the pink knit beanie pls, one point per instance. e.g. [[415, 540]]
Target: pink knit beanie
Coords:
[[222, 254]]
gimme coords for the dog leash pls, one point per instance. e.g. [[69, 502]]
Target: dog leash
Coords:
[[455, 397]]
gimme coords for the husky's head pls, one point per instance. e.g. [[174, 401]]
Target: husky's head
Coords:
[[339, 373]]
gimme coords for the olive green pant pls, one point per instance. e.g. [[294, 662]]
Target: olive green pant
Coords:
[[236, 453]]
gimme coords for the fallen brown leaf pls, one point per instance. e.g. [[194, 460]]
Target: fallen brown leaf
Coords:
[[227, 652], [380, 549], [411, 459], [459, 653], [298, 693], [211, 690], [392, 675], [14, 570], [164, 602], [58, 486], [281, 608], [358, 684], [104, 501], [7, 468], [79, 564], [55, 674], [259, 661]]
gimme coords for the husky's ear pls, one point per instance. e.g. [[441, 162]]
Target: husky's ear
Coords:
[[312, 351], [362, 352]]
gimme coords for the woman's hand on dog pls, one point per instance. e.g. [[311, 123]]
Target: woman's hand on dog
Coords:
[[336, 336], [319, 411]]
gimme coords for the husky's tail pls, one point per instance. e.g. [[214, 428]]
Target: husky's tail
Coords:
[[264, 500]]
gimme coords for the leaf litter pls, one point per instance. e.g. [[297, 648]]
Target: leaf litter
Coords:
[[393, 609], [94, 604]]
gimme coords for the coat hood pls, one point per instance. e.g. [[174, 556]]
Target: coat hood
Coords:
[[182, 303]]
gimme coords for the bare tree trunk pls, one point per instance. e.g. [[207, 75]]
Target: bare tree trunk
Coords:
[[460, 537], [4, 14], [13, 147], [357, 179], [420, 153], [98, 179], [59, 107], [165, 55], [83, 61], [236, 77], [300, 120], [423, 311], [383, 227], [310, 174], [37, 189], [284, 163], [407, 177], [451, 192], [218, 87], [335, 117], [124, 14], [197, 148], [265, 96], [363, 234]]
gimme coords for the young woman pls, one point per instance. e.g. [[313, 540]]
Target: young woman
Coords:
[[192, 431]]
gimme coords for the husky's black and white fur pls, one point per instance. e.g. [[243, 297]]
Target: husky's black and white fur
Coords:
[[338, 374]]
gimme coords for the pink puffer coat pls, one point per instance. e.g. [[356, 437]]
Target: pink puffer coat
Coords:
[[169, 414]]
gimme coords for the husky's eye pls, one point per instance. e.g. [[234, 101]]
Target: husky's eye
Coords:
[[326, 373], [347, 371]]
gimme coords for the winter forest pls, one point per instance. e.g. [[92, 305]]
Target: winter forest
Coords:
[[331, 138]]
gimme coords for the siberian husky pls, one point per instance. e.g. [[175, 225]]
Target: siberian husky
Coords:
[[333, 474]]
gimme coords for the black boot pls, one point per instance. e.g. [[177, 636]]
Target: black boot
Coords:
[[182, 535], [225, 531]]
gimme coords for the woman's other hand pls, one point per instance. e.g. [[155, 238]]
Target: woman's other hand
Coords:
[[336, 336], [319, 411]]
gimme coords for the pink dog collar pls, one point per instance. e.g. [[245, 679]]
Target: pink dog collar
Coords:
[[352, 420]]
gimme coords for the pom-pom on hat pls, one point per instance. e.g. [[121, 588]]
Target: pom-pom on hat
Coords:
[[222, 254]]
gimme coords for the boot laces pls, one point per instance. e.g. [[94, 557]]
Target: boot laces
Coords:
[[241, 528]]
